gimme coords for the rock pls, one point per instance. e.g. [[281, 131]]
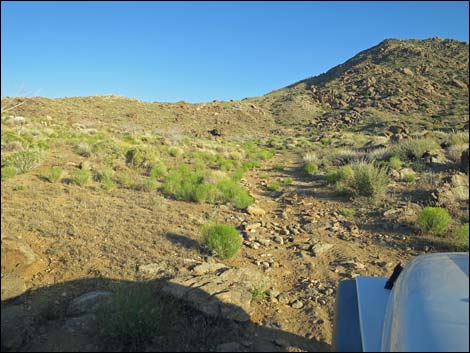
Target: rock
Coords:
[[230, 347], [204, 268], [252, 226], [19, 259], [226, 295], [407, 71], [282, 298], [216, 132], [88, 303], [255, 211], [458, 83], [297, 304], [278, 240], [15, 327], [281, 342], [12, 286], [85, 324], [154, 269], [321, 248]]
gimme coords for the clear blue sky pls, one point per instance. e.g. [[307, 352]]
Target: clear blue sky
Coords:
[[199, 51]]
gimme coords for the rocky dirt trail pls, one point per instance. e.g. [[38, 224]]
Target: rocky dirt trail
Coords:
[[297, 247]]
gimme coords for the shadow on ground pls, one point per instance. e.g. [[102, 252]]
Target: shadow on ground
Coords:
[[42, 320]]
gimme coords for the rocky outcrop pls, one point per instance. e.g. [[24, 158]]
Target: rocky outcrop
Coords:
[[222, 293]]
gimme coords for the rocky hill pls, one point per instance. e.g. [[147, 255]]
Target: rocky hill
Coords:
[[427, 78]]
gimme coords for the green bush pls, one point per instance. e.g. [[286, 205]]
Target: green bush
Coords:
[[141, 157], [150, 184], [132, 317], [124, 178], [413, 149], [190, 185], [175, 151], [235, 193], [434, 220], [24, 161], [53, 174], [81, 177], [348, 212], [367, 180], [83, 149], [286, 181], [158, 170], [278, 167], [224, 240], [409, 177], [311, 168], [274, 186], [395, 163], [8, 172], [105, 177], [462, 234]]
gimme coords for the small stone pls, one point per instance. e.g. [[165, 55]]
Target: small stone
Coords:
[[297, 304], [282, 298], [281, 342], [252, 226], [278, 240], [255, 211]]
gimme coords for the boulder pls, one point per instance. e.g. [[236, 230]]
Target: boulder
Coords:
[[88, 303], [19, 259], [225, 294]]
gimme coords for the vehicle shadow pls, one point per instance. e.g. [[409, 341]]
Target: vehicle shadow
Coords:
[[42, 320]]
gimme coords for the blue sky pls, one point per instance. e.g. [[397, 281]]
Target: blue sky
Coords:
[[198, 51]]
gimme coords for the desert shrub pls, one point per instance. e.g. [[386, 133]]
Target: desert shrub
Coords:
[[259, 293], [24, 161], [348, 212], [235, 193], [83, 149], [414, 148], [326, 141], [150, 184], [132, 317], [123, 178], [81, 177], [158, 170], [8, 172], [175, 151], [311, 168], [459, 138], [310, 157], [141, 157], [454, 153], [53, 174], [462, 235], [409, 177], [13, 146], [105, 177], [278, 167], [194, 185], [274, 186], [395, 163], [341, 176], [286, 181], [434, 220], [226, 164], [224, 240], [368, 180]]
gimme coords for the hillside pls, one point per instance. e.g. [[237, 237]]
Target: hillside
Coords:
[[427, 79], [227, 226]]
